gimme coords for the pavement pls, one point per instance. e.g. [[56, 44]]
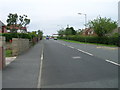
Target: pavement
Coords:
[[24, 71]]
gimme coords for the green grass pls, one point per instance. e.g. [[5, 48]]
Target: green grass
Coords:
[[8, 53], [88, 43]]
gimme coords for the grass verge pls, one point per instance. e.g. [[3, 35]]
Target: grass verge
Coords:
[[88, 43], [8, 53]]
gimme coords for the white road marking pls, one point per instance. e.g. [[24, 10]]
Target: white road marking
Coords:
[[76, 57], [91, 55], [70, 46], [40, 72], [77, 49], [85, 52], [112, 62], [63, 44]]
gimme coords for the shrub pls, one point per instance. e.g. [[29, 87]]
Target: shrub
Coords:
[[9, 36], [113, 40]]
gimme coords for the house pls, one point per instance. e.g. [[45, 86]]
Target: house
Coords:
[[88, 32], [18, 28], [6, 29], [2, 27], [91, 32]]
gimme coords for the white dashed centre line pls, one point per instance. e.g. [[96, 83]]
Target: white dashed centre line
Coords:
[[76, 57], [85, 52], [112, 62]]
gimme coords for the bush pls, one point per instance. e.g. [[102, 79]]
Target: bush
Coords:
[[113, 40], [9, 36]]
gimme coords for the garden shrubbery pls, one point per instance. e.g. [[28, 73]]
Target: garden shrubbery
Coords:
[[94, 39], [9, 36]]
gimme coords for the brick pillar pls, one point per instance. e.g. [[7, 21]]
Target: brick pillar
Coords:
[[2, 52]]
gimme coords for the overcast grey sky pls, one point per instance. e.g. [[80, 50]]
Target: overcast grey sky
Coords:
[[51, 15]]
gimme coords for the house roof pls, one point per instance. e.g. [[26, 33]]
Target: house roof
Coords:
[[17, 27]]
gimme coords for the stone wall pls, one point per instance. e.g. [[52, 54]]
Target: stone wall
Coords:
[[19, 46], [2, 52]]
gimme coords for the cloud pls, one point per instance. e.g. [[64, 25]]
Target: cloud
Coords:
[[47, 14]]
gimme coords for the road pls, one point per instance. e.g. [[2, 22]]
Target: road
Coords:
[[57, 64], [110, 53], [64, 66]]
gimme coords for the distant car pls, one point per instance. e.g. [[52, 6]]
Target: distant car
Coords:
[[55, 38], [47, 38]]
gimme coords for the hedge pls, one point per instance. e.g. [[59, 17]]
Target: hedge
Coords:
[[94, 39], [9, 36]]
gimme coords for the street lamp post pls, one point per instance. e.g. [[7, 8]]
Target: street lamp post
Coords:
[[85, 18], [85, 22]]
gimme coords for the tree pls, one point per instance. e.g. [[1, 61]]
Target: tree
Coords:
[[15, 21], [23, 21], [12, 20], [102, 26], [70, 31], [40, 34], [61, 33], [79, 32]]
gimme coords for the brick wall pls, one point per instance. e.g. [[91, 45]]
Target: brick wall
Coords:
[[19, 46]]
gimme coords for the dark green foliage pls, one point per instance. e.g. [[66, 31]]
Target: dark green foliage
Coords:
[[61, 32], [70, 31], [67, 31], [9, 36], [14, 21], [100, 40], [102, 26]]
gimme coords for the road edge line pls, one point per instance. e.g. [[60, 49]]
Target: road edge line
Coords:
[[40, 69]]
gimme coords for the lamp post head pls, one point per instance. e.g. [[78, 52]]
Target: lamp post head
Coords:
[[80, 13]]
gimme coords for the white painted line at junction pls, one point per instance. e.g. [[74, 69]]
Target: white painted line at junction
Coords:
[[63, 44], [112, 62], [85, 52], [70, 46], [76, 57], [40, 72]]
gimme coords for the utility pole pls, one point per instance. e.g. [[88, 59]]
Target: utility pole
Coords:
[[85, 22], [85, 18]]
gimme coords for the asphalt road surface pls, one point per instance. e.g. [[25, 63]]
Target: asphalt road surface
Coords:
[[57, 64], [109, 53], [66, 67]]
